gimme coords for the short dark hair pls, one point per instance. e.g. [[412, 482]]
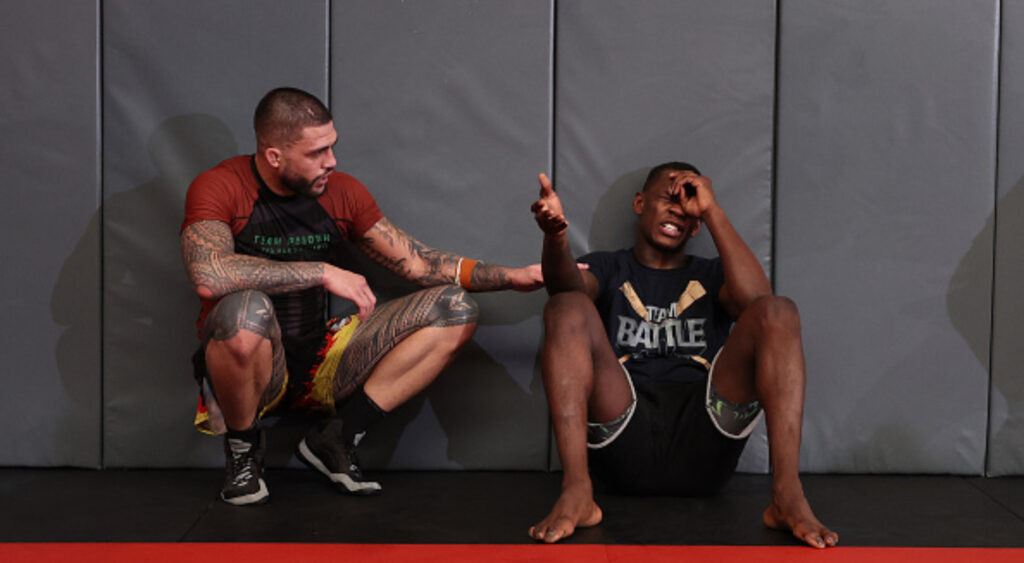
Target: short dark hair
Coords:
[[674, 165], [283, 113]]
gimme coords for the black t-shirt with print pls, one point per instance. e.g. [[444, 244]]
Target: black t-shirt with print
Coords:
[[683, 324]]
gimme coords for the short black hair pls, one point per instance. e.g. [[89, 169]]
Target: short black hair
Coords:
[[283, 113], [674, 165]]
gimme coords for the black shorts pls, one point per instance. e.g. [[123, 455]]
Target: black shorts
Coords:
[[670, 445]]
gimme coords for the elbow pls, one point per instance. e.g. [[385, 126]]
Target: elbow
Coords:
[[204, 292], [200, 284], [737, 304], [757, 295]]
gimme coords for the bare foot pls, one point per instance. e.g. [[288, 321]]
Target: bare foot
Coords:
[[792, 512], [575, 507]]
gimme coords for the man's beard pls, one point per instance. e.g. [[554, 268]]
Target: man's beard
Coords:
[[301, 186]]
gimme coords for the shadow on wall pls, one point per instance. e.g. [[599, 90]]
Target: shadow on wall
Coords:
[[480, 415], [1007, 405], [148, 309]]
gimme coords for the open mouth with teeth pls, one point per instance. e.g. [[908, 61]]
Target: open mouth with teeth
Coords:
[[673, 230]]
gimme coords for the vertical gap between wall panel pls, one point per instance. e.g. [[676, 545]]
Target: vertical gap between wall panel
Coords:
[[998, 68], [100, 208], [773, 188], [552, 88], [327, 55]]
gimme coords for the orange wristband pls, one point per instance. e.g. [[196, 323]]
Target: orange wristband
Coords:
[[466, 272]]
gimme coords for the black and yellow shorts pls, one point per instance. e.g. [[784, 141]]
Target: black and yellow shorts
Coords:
[[313, 391]]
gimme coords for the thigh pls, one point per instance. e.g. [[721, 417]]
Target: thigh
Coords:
[[735, 364], [391, 323], [765, 337], [576, 344]]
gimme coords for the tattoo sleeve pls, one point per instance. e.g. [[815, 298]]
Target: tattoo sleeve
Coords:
[[208, 251], [488, 277], [394, 249]]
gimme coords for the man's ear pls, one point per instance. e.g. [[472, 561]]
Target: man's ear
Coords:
[[273, 156], [696, 228], [638, 203]]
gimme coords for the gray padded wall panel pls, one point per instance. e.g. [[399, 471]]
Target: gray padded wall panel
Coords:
[[443, 110], [50, 281], [884, 182], [180, 86], [1006, 430], [640, 83]]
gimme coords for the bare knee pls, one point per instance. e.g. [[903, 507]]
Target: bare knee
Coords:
[[567, 311], [454, 310], [774, 314], [240, 323], [453, 306]]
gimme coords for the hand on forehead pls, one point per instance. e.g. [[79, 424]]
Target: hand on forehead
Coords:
[[679, 182]]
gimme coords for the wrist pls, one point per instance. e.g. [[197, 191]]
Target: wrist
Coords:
[[558, 237], [712, 212], [323, 269], [464, 272]]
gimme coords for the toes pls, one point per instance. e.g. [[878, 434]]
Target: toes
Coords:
[[820, 539], [537, 532], [553, 535]]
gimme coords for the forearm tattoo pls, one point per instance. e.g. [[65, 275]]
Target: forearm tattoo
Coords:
[[392, 322], [208, 250], [394, 249], [488, 277]]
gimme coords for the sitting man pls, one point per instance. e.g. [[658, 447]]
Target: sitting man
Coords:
[[260, 242], [642, 370]]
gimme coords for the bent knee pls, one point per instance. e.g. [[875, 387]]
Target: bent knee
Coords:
[[775, 312], [568, 308], [453, 306], [248, 309]]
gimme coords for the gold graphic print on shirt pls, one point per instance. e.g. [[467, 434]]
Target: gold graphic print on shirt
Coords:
[[694, 291]]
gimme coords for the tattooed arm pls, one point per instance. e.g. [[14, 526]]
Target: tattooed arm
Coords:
[[214, 270], [394, 249]]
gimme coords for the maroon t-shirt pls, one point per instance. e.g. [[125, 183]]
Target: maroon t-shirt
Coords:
[[287, 229]]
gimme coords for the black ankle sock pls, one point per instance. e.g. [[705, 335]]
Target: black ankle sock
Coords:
[[359, 414], [250, 435]]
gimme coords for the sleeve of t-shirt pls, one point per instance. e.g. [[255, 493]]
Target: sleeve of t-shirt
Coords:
[[208, 198], [600, 264], [360, 209], [717, 278]]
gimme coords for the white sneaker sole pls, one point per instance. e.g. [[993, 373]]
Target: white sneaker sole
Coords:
[[342, 479], [258, 497]]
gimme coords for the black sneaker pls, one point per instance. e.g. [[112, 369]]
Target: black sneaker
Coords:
[[324, 450], [244, 483]]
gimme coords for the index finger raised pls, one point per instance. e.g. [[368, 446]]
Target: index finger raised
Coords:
[[545, 185]]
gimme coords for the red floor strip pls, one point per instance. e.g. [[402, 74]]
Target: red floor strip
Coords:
[[400, 553]]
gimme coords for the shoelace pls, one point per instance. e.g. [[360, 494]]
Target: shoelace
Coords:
[[353, 462], [241, 462]]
